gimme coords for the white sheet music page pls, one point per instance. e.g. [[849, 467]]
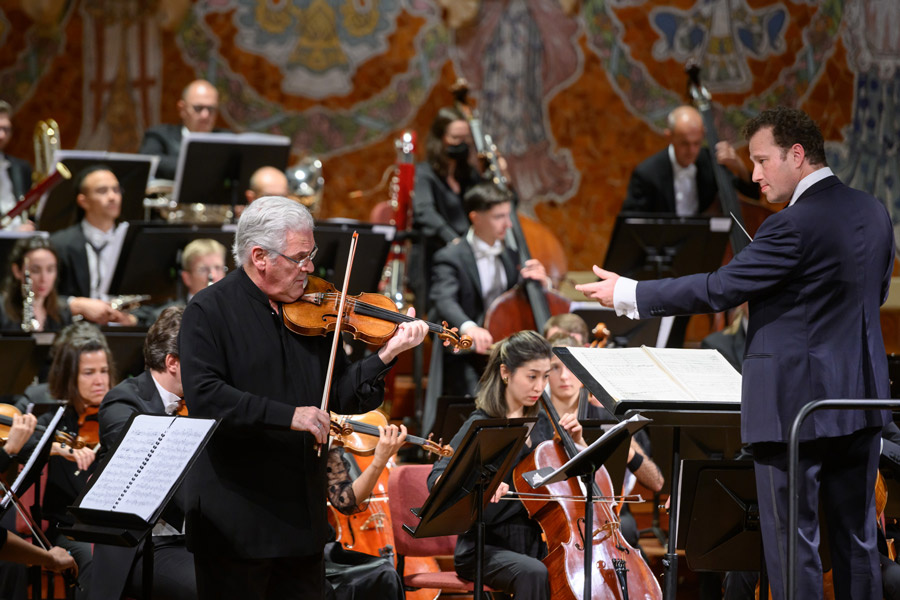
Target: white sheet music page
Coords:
[[146, 464], [706, 373], [629, 374]]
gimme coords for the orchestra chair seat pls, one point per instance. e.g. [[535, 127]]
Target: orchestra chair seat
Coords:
[[408, 489]]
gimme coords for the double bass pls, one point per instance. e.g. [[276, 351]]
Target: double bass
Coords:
[[529, 305], [620, 572]]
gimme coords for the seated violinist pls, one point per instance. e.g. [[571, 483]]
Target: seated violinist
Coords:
[[156, 391], [81, 373], [466, 277], [517, 372], [353, 575], [50, 312]]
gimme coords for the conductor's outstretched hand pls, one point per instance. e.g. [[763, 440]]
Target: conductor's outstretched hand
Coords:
[[600, 290]]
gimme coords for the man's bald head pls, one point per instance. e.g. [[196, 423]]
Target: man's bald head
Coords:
[[267, 181], [685, 132], [199, 106]]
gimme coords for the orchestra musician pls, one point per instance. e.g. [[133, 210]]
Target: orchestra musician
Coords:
[[117, 571], [256, 495], [51, 311], [569, 396], [81, 373], [466, 277], [267, 181], [346, 578], [680, 179], [198, 108], [517, 373], [89, 250], [814, 276], [441, 182], [15, 173], [568, 324]]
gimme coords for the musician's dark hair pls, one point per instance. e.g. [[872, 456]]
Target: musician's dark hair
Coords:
[[484, 196], [435, 153], [12, 288], [85, 172], [790, 126], [162, 338], [63, 376], [514, 351]]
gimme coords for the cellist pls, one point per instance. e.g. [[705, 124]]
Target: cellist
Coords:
[[515, 377]]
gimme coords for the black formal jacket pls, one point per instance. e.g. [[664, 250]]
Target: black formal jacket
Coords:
[[19, 174], [112, 564], [258, 489], [455, 292], [652, 184], [74, 276]]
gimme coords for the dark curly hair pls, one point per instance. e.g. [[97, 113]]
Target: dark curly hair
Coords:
[[790, 126], [162, 338]]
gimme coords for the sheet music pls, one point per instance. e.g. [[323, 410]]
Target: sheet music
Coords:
[[146, 464], [706, 373], [629, 374]]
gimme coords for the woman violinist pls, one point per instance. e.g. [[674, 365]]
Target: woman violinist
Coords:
[[35, 257], [346, 576], [512, 384], [81, 373]]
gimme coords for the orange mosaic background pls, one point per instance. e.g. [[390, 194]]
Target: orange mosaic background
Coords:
[[597, 116]]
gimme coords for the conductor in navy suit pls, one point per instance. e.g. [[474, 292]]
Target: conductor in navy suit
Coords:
[[814, 277]]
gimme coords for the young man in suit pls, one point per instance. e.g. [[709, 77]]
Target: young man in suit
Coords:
[[198, 108], [466, 276], [814, 278], [680, 179], [15, 173], [156, 391]]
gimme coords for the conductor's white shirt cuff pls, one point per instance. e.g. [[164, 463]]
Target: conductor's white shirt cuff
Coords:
[[625, 298]]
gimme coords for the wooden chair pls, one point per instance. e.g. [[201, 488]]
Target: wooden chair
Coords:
[[408, 489]]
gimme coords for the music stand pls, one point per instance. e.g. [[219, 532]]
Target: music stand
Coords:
[[127, 345], [651, 247], [215, 168], [333, 239], [481, 462], [58, 210], [585, 464], [624, 332], [450, 415], [157, 273]]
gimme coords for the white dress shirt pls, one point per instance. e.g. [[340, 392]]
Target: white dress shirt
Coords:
[[103, 249], [687, 200], [491, 273]]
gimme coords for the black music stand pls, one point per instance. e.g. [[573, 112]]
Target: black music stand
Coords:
[[481, 462], [450, 415], [127, 345], [333, 239], [215, 168], [58, 209], [141, 270], [585, 464], [648, 246]]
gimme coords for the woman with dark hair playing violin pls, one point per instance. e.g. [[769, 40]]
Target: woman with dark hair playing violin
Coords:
[[81, 373], [512, 384]]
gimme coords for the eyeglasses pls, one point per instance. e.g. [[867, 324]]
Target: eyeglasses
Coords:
[[301, 262], [199, 108]]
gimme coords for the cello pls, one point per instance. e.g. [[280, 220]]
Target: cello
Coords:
[[620, 572]]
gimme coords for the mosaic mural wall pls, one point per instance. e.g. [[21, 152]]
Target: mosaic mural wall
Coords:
[[574, 93]]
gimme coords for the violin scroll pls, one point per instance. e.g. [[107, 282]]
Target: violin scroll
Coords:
[[451, 337]]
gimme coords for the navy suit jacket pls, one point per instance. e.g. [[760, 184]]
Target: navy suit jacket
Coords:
[[652, 184], [815, 276]]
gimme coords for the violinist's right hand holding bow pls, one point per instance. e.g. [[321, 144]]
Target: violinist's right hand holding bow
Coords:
[[59, 561], [313, 420]]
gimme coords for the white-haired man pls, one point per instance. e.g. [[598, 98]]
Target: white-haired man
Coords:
[[256, 516]]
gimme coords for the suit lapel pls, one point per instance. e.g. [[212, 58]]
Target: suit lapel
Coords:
[[668, 190], [80, 262], [508, 258], [153, 404]]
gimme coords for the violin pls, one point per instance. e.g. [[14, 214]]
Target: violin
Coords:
[[619, 570], [359, 434], [89, 427], [369, 317], [8, 411]]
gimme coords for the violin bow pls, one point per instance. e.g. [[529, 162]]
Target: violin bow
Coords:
[[337, 326]]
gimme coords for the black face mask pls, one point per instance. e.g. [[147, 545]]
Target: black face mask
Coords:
[[458, 151]]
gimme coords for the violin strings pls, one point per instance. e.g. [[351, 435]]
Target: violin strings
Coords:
[[372, 310]]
